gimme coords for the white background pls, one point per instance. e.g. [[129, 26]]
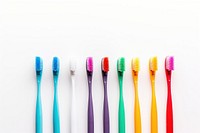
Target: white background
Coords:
[[98, 28]]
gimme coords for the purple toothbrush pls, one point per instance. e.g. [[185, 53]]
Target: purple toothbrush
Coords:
[[105, 69], [89, 69]]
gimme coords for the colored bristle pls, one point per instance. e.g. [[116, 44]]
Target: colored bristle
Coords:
[[153, 66], [136, 64], [105, 64], [38, 64], [121, 64], [89, 64], [169, 63], [56, 64], [73, 66]]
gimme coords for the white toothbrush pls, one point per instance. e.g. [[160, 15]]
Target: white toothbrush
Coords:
[[73, 101]]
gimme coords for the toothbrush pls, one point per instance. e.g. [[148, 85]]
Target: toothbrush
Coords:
[[89, 69], [105, 69], [135, 71], [73, 109], [38, 68], [121, 113], [152, 71], [56, 119], [169, 66]]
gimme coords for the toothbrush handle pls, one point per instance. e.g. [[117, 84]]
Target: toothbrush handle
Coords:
[[121, 116], [137, 114], [121, 109], [73, 109], [90, 110], [106, 121], [73, 117], [38, 113], [56, 119], [169, 117], [154, 121]]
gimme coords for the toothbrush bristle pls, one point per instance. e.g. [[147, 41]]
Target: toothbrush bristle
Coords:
[[72, 65], [169, 63], [153, 65], [38, 64], [105, 64], [89, 64], [56, 64], [136, 64], [121, 64]]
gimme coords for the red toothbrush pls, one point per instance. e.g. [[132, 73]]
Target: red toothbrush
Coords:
[[169, 66]]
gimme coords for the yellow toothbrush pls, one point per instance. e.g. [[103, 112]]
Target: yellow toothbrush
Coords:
[[152, 71], [135, 69]]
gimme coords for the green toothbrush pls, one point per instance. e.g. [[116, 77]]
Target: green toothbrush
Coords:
[[121, 113]]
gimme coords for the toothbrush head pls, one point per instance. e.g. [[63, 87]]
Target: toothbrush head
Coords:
[[121, 64], [153, 65], [105, 64], [89, 64], [136, 64], [169, 63], [56, 65], [72, 66], [38, 65]]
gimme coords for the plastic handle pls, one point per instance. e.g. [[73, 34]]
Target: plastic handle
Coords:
[[154, 121], [169, 115], [137, 110], [38, 109], [106, 121], [73, 109], [121, 117], [90, 107], [56, 118]]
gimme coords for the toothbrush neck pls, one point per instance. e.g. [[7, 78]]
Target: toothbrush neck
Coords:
[[135, 78], [120, 77], [120, 74], [152, 76], [168, 75], [105, 76], [39, 77], [73, 81], [89, 76], [55, 79]]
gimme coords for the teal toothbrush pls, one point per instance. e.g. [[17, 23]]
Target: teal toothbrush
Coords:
[[38, 69], [56, 118], [121, 113]]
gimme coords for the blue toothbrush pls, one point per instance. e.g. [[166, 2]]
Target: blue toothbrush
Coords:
[[38, 69], [56, 118]]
